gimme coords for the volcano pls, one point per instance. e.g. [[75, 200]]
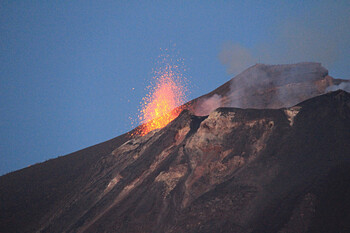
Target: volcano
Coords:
[[268, 151]]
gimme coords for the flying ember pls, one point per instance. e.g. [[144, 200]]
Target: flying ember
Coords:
[[163, 102]]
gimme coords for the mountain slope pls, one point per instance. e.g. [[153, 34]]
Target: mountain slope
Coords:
[[236, 170], [29, 194]]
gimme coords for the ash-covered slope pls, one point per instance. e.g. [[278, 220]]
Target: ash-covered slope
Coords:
[[236, 170]]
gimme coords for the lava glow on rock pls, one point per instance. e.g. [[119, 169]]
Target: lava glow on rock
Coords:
[[163, 102]]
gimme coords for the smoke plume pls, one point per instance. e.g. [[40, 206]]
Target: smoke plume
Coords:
[[343, 86], [270, 86], [207, 105]]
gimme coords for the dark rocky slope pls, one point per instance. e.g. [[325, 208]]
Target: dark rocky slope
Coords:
[[283, 170], [236, 170], [29, 194]]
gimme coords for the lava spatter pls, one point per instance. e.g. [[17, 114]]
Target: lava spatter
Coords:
[[165, 99]]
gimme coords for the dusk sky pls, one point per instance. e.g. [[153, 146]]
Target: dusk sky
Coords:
[[74, 73]]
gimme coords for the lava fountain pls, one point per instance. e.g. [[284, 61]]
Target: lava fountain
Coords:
[[165, 99]]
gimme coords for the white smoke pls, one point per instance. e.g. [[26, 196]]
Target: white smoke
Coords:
[[207, 105], [343, 86], [269, 86]]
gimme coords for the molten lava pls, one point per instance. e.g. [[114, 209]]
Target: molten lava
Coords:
[[163, 103]]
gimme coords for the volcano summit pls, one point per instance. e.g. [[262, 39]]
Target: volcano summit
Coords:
[[268, 151]]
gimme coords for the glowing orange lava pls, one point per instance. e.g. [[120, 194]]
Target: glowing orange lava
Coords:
[[161, 105]]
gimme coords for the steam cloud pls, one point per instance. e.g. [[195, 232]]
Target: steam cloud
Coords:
[[343, 86], [277, 86], [208, 105]]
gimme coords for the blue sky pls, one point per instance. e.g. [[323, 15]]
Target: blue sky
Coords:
[[68, 69]]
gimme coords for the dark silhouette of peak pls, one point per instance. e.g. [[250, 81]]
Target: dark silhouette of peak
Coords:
[[233, 170], [331, 98]]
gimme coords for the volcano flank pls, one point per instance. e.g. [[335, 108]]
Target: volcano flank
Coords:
[[268, 151]]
